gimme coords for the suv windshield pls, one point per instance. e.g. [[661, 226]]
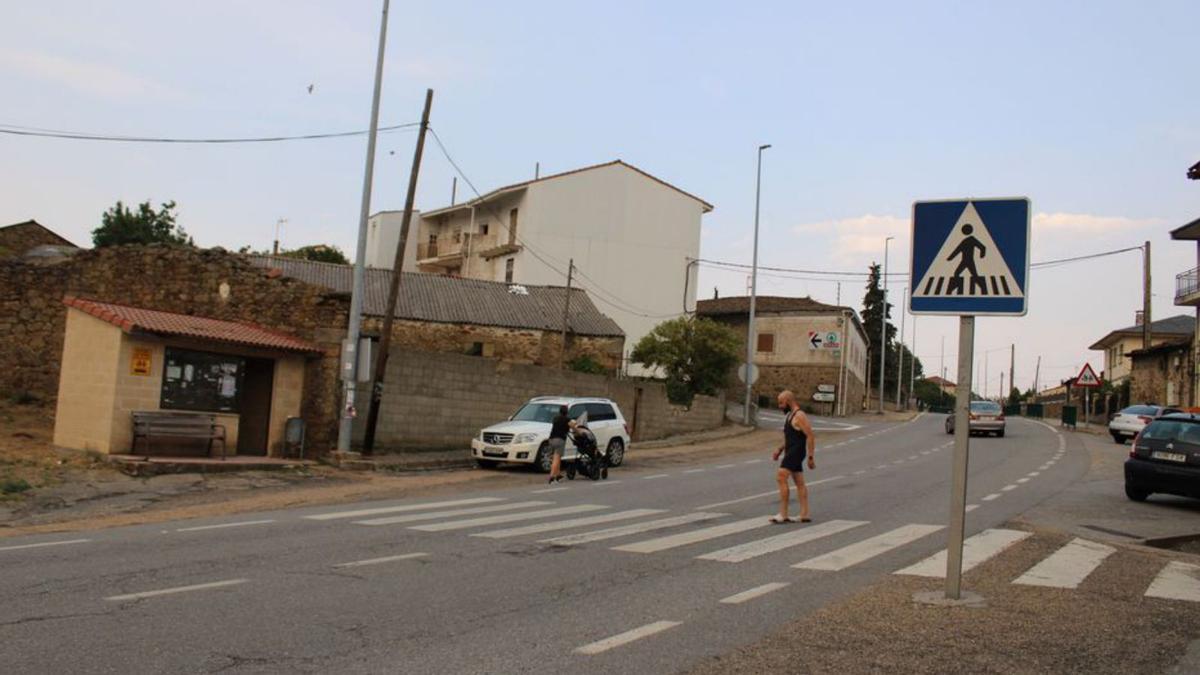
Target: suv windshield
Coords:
[[985, 407], [537, 412]]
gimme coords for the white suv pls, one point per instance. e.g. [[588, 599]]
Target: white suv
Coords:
[[525, 436]]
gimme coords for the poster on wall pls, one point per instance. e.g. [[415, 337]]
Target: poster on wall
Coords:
[[141, 362]]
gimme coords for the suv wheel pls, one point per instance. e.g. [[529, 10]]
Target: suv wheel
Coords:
[[485, 463], [616, 452], [544, 460], [1118, 439], [1135, 494]]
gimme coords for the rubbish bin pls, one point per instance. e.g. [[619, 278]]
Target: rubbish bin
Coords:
[[293, 438], [1069, 416], [1012, 410], [1034, 410]]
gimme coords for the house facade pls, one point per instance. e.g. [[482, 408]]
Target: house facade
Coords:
[[802, 345], [20, 238], [1162, 374], [630, 235], [1187, 292], [1117, 345]]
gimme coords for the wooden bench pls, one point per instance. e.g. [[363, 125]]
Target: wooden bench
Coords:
[[173, 424]]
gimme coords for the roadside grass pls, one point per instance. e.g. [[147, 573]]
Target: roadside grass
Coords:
[[28, 458]]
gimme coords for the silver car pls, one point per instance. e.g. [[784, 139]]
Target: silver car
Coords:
[[987, 417], [1130, 421]]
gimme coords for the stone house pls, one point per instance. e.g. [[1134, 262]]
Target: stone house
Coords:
[[802, 345], [18, 239], [1162, 374], [1119, 343], [942, 383]]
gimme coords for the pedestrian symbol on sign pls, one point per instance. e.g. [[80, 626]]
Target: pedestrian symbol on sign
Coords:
[[970, 276]]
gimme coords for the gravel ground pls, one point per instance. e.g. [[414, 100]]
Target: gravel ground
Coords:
[[1104, 626]]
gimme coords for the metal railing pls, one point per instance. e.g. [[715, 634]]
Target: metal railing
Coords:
[[1187, 283], [448, 246]]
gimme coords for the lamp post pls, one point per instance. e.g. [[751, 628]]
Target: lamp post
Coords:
[[753, 291], [900, 350], [883, 324]]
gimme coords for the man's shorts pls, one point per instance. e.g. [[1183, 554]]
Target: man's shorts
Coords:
[[557, 445]]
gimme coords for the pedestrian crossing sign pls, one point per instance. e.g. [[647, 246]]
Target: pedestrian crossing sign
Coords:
[[970, 256]]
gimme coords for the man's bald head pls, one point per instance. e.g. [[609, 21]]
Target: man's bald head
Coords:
[[787, 399]]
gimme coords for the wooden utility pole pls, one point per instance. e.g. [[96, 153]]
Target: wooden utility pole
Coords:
[[1036, 372], [1012, 369], [385, 339], [1146, 336], [562, 358]]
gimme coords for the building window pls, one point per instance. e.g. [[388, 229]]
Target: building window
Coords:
[[766, 342], [483, 229], [512, 226], [202, 381], [508, 270]]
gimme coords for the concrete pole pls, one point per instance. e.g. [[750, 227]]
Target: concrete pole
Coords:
[[1146, 332], [349, 369], [962, 448], [753, 292], [883, 324], [900, 350]]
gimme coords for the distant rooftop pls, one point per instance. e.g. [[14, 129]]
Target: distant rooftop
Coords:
[[765, 304], [1173, 326]]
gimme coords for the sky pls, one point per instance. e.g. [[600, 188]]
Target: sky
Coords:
[[1086, 108]]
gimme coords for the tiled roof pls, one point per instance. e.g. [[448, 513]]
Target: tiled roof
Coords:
[[616, 162], [762, 304], [137, 320], [446, 299], [939, 381], [1175, 325]]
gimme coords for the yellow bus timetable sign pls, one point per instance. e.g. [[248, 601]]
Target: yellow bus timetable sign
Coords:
[[141, 362]]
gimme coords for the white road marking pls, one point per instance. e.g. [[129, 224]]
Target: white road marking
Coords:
[[860, 472], [752, 461], [399, 509], [724, 466], [636, 528], [1176, 581], [1034, 474], [547, 490], [1068, 566], [912, 457], [763, 494], [43, 544], [753, 593], [899, 461], [507, 518], [434, 515], [971, 507], [976, 550], [377, 561], [180, 589], [882, 466], [926, 452], [657, 475], [600, 483], [243, 523], [568, 524], [868, 548], [694, 471], [626, 637], [753, 549], [1009, 488], [694, 536], [1023, 480]]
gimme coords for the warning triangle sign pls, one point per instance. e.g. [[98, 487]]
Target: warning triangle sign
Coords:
[[1087, 377], [968, 264]]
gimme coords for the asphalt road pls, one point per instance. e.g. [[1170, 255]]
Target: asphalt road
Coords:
[[435, 587]]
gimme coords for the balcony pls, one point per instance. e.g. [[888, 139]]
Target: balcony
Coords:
[[1187, 288], [449, 251]]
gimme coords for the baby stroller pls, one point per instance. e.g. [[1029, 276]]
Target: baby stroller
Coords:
[[589, 460]]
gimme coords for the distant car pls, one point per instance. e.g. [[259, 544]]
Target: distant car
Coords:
[[1128, 422], [987, 417], [1165, 458], [524, 438]]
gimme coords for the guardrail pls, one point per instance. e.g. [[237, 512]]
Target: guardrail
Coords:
[[1187, 283]]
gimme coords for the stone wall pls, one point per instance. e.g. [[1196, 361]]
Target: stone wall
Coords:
[[211, 283], [1162, 376], [439, 401], [16, 240]]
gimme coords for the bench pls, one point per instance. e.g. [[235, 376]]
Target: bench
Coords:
[[170, 424]]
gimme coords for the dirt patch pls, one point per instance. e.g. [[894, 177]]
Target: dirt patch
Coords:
[[1104, 626], [28, 459]]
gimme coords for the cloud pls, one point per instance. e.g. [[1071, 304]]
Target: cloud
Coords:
[[1087, 223], [85, 77], [860, 237]]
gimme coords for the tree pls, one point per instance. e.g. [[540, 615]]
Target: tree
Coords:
[[873, 310], [120, 225], [697, 355], [931, 395], [319, 253]]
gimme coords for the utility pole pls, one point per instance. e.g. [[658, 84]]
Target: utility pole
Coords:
[[1002, 397], [883, 324], [900, 351], [275, 248], [942, 366], [1036, 373], [1146, 334], [1012, 368], [562, 357], [453, 190], [349, 369], [753, 292], [385, 340], [912, 370]]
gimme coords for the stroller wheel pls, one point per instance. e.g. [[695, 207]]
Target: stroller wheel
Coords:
[[571, 472]]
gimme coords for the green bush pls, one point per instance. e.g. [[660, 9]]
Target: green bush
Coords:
[[12, 486], [585, 363]]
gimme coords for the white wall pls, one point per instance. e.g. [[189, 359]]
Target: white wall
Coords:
[[383, 236]]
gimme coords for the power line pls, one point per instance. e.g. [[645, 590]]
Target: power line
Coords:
[[14, 130]]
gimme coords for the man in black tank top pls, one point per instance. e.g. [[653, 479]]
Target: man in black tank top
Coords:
[[799, 443]]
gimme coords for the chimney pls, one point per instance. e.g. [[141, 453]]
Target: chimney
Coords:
[[1139, 318]]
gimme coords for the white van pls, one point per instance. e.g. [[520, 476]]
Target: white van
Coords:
[[524, 438]]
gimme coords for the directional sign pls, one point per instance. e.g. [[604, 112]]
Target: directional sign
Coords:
[[826, 388], [815, 339], [823, 397], [1087, 377], [833, 340], [970, 257]]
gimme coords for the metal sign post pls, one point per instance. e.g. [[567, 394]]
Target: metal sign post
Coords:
[[962, 450]]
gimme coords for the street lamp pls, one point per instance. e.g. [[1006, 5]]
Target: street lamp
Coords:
[[753, 291], [883, 324]]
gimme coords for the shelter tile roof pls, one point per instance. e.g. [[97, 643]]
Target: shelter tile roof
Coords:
[[446, 299], [763, 304], [138, 320]]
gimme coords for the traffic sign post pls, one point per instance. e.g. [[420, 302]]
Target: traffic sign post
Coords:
[[1088, 380], [970, 257]]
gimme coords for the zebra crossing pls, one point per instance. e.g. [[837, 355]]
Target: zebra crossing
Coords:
[[707, 535]]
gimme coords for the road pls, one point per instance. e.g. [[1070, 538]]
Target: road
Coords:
[[646, 572]]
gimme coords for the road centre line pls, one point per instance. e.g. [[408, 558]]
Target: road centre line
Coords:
[[694, 471], [243, 523], [399, 509], [178, 589], [994, 495], [625, 638], [44, 544], [1034, 474], [547, 490], [377, 561], [762, 494], [912, 457], [724, 466], [882, 466], [752, 461], [971, 507], [655, 476], [1008, 488], [756, 592], [1023, 480], [601, 483]]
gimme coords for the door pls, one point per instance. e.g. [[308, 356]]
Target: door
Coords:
[[255, 424]]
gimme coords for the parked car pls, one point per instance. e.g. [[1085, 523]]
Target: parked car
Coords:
[[1165, 458], [524, 437], [986, 417], [1128, 422]]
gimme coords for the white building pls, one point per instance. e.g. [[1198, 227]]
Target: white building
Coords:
[[631, 237], [383, 235]]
